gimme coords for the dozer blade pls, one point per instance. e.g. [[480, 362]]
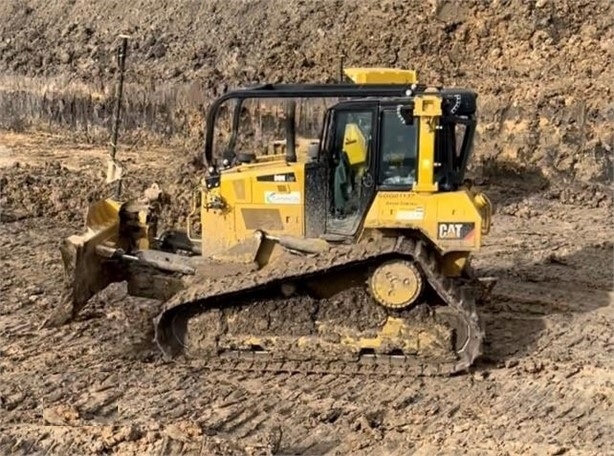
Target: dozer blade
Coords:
[[314, 314], [86, 272]]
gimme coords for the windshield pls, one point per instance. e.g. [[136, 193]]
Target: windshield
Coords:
[[398, 148]]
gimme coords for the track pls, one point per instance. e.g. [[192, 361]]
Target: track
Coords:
[[175, 328]]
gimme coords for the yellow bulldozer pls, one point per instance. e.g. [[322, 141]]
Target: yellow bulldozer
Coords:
[[354, 257]]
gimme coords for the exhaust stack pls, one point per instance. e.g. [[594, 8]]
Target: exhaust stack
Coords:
[[291, 131]]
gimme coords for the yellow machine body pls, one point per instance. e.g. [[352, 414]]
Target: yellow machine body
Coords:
[[453, 221], [368, 209], [260, 196], [362, 75]]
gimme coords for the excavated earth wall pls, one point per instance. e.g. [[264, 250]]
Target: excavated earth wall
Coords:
[[542, 68]]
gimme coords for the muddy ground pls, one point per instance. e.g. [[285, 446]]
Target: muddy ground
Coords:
[[544, 385]]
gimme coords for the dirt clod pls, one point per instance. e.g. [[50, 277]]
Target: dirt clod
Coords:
[[61, 415]]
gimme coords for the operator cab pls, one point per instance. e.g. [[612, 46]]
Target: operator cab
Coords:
[[373, 145]]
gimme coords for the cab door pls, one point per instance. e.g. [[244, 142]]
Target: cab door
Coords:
[[349, 149]]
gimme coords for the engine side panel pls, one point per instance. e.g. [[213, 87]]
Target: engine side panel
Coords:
[[266, 196]]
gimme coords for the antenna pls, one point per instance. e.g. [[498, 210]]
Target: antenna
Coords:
[[341, 61], [114, 170]]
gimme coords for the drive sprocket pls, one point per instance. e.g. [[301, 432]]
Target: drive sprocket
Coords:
[[396, 283]]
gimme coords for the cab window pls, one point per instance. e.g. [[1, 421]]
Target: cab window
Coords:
[[398, 151]]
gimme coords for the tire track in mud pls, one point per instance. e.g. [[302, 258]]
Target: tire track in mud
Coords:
[[532, 318], [543, 388]]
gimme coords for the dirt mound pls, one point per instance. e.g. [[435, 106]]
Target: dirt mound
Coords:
[[541, 68], [50, 190], [54, 191], [231, 42]]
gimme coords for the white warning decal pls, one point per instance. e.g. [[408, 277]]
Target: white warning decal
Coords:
[[411, 215]]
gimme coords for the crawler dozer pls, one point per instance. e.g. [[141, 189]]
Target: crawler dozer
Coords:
[[351, 256]]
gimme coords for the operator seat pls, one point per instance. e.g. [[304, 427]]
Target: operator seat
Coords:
[[343, 183]]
